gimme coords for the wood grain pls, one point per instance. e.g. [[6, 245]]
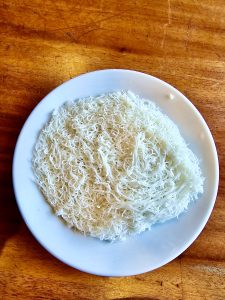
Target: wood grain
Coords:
[[44, 43]]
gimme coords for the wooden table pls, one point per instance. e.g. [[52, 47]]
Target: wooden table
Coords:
[[44, 43]]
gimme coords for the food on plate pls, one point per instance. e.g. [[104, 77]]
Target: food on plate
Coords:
[[113, 165]]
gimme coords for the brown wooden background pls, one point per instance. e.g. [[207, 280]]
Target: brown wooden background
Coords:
[[45, 42]]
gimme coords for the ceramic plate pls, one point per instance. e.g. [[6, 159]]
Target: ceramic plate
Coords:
[[149, 250]]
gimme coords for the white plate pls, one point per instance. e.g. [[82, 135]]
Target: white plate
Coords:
[[146, 251]]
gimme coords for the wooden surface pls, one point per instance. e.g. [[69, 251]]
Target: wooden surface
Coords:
[[44, 43]]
